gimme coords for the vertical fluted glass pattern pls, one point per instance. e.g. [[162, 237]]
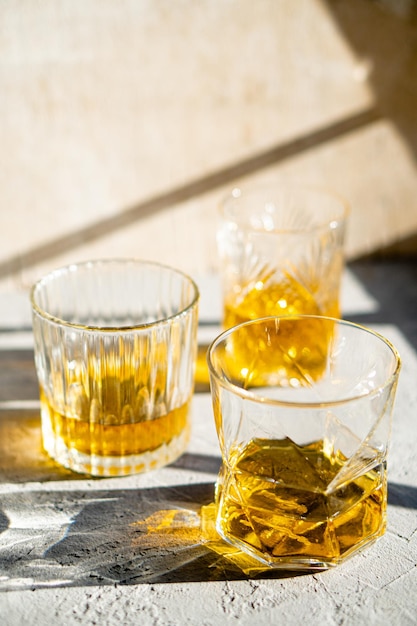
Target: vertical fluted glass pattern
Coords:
[[115, 348]]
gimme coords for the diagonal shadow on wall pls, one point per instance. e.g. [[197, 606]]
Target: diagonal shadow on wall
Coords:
[[386, 43], [391, 52], [185, 192]]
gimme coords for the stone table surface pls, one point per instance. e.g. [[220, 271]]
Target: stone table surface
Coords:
[[77, 550]]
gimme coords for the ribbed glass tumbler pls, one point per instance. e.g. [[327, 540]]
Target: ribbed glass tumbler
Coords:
[[303, 423], [115, 348]]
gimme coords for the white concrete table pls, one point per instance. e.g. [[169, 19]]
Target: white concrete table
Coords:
[[76, 550]]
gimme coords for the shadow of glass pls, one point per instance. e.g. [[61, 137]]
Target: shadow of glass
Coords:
[[198, 463], [4, 522], [81, 538], [125, 536], [393, 283], [402, 495]]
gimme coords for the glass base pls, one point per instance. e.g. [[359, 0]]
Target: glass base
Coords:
[[294, 562], [107, 466]]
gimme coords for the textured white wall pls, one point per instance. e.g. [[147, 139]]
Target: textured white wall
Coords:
[[109, 105]]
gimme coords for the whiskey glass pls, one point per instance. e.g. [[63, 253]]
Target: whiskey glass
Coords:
[[303, 420], [281, 251], [115, 348]]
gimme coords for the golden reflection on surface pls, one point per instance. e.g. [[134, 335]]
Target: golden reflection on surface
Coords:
[[202, 380], [183, 528], [22, 457]]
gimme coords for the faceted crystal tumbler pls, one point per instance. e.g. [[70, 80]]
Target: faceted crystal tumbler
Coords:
[[281, 251], [303, 420], [115, 348]]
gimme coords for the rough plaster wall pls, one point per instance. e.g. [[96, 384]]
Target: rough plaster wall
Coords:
[[110, 111]]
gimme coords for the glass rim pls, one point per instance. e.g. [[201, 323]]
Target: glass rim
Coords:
[[265, 400], [242, 192], [71, 267]]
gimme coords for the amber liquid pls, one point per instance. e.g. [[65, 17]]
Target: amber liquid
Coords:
[[298, 353], [273, 503], [263, 298], [287, 353], [123, 413], [116, 437]]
